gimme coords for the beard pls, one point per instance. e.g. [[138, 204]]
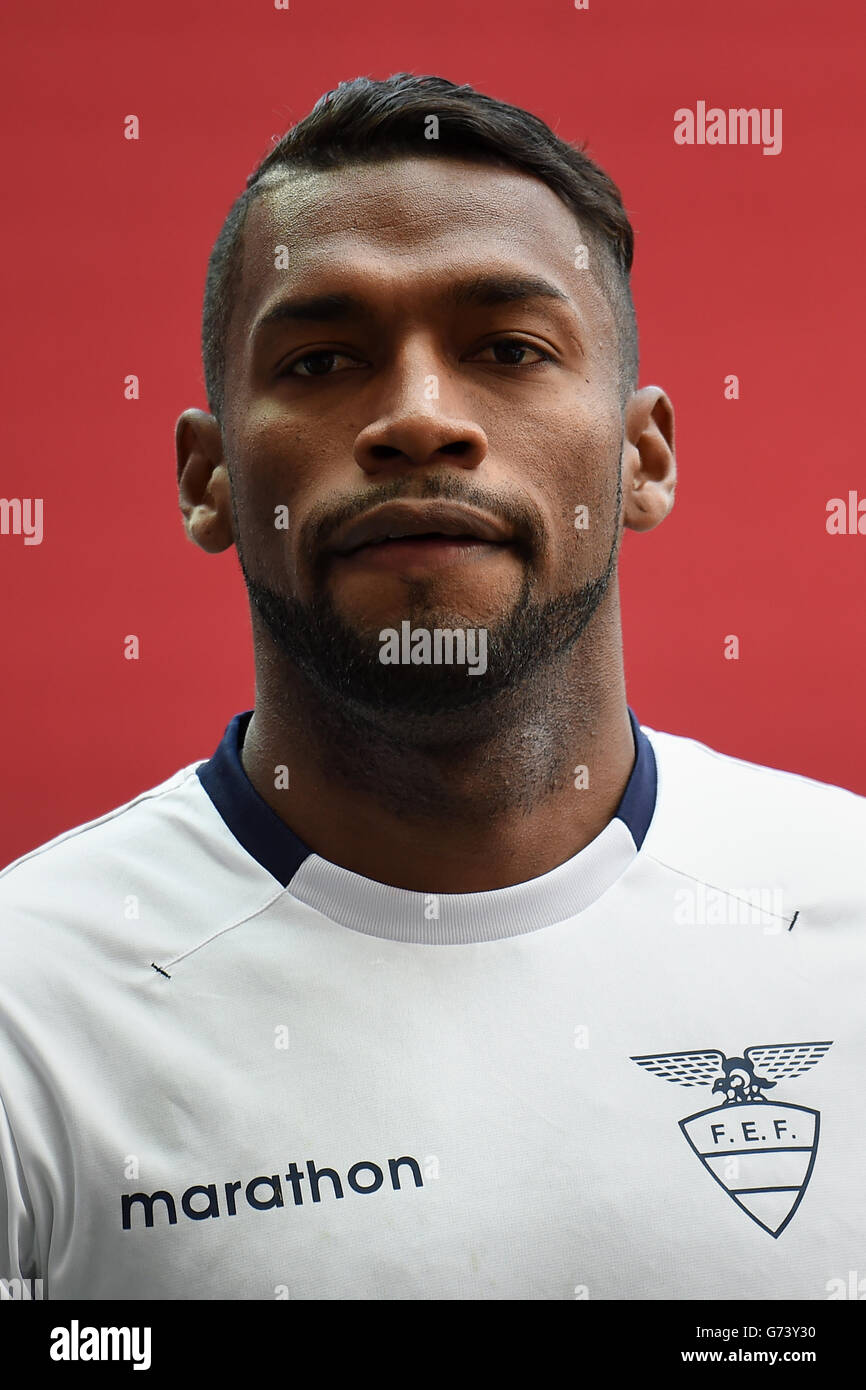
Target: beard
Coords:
[[341, 662], [342, 665]]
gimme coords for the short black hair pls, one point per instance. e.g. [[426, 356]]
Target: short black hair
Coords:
[[367, 121]]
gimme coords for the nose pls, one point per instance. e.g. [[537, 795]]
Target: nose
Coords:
[[417, 423]]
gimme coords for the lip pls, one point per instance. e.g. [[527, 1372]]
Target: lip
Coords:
[[419, 554], [396, 520]]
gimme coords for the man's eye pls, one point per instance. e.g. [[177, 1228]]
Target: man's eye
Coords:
[[511, 352], [319, 363]]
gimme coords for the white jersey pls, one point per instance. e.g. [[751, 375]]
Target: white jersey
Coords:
[[230, 1069]]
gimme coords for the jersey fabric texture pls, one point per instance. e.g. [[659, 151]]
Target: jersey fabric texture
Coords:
[[230, 1069]]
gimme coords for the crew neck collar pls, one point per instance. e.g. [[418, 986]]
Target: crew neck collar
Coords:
[[428, 918]]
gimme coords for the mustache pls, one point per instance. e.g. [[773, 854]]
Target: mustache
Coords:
[[519, 513]]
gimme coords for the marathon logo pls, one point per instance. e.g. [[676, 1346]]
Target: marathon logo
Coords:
[[209, 1201]]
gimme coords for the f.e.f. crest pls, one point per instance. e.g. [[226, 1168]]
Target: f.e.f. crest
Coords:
[[760, 1151]]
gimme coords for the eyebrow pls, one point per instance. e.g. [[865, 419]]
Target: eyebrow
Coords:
[[481, 291]]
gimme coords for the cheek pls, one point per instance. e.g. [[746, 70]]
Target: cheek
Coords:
[[267, 510], [278, 462], [583, 532], [573, 478], [266, 489]]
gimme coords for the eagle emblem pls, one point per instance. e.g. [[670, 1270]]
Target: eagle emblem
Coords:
[[761, 1151]]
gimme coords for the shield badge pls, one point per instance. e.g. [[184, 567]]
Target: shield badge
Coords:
[[760, 1151]]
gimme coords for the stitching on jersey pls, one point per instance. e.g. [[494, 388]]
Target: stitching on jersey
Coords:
[[248, 917], [716, 888]]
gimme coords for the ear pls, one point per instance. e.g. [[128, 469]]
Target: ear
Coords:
[[203, 483], [649, 470]]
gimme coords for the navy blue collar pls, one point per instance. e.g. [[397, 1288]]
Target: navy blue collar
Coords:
[[279, 850]]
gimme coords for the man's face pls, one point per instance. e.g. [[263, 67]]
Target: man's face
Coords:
[[456, 352]]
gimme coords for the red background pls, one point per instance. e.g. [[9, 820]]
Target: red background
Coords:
[[745, 263]]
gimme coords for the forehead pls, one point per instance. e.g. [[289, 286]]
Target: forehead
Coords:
[[404, 226]]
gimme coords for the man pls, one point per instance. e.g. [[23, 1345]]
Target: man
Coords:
[[377, 1002]]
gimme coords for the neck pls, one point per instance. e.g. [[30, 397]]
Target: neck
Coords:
[[480, 800]]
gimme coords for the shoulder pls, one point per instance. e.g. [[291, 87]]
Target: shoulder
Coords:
[[724, 820], [103, 880], [78, 851], [716, 779]]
